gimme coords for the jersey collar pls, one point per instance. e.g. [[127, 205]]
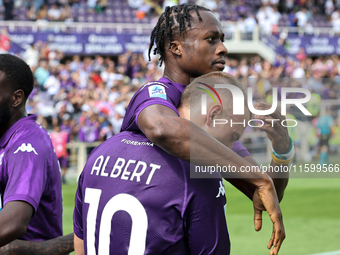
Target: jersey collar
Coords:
[[8, 134], [179, 86]]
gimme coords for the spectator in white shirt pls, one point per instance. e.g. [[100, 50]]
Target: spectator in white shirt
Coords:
[[31, 56], [54, 13], [52, 84], [299, 72], [275, 16], [301, 17], [329, 7], [250, 23]]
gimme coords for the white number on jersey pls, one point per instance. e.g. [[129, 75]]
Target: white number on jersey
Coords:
[[120, 202]]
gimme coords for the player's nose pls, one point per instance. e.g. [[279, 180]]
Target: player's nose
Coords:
[[221, 50]]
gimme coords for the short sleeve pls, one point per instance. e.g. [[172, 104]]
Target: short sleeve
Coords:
[[150, 94], [78, 210], [240, 150], [27, 166]]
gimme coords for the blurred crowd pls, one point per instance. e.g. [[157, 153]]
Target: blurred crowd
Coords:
[[86, 97], [269, 14]]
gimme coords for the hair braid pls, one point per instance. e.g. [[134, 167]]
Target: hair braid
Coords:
[[174, 19]]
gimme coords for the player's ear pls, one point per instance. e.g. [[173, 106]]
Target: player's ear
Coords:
[[213, 113], [18, 97], [176, 48]]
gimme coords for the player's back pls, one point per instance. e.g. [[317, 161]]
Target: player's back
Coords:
[[134, 198]]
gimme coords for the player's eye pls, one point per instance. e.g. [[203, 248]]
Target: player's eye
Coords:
[[222, 39], [210, 39]]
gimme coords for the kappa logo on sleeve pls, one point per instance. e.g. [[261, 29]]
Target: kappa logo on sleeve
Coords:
[[1, 157], [26, 148], [157, 91], [221, 190]]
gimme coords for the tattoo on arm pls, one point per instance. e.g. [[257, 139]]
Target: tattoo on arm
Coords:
[[58, 246]]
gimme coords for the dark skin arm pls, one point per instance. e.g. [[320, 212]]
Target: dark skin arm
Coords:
[[278, 135], [248, 189], [58, 246], [14, 219], [163, 127]]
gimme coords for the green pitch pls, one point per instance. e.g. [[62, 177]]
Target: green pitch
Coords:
[[311, 213]]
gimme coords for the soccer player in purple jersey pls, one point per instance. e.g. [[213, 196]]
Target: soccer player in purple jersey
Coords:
[[30, 182], [189, 40], [134, 198]]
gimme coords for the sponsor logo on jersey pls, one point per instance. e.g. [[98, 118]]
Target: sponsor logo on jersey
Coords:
[[1, 157], [26, 148], [157, 91], [221, 190], [153, 83]]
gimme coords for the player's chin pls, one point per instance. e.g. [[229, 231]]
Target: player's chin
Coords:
[[218, 67]]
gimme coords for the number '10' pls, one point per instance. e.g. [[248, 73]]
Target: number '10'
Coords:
[[120, 202]]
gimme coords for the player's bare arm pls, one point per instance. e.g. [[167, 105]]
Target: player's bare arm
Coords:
[[78, 246], [278, 135], [58, 246], [14, 219]]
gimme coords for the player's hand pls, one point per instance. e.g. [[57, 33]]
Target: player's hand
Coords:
[[277, 133], [266, 199]]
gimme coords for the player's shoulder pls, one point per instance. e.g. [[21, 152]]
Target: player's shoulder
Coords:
[[119, 140], [161, 89], [31, 145]]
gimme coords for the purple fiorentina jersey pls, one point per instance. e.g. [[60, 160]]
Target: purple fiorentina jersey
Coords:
[[134, 198], [163, 92], [29, 172]]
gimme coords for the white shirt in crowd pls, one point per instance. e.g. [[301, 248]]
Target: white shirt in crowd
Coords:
[[298, 73], [52, 84], [31, 57], [250, 24], [54, 13], [301, 18]]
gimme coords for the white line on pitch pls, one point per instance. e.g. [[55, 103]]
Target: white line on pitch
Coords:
[[328, 253]]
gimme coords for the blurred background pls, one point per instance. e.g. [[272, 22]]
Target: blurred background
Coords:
[[90, 56]]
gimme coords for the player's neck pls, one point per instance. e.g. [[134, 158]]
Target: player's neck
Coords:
[[176, 75], [12, 121]]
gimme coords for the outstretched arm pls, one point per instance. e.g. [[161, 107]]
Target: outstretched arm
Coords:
[[58, 246]]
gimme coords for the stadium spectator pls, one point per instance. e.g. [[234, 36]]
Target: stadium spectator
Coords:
[[9, 6], [52, 83], [59, 141], [301, 17], [329, 7], [324, 126], [54, 13], [31, 56]]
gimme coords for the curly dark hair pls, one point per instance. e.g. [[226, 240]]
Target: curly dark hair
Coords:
[[173, 21], [18, 74]]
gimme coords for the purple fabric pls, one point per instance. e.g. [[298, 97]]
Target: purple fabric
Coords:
[[29, 172], [183, 215], [142, 99], [89, 132], [63, 162], [240, 150]]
